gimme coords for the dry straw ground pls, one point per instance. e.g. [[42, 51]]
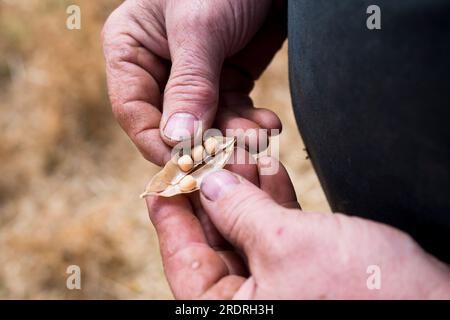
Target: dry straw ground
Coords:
[[69, 177]]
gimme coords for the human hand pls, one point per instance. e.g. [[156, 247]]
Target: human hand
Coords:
[[289, 254], [198, 261], [197, 59]]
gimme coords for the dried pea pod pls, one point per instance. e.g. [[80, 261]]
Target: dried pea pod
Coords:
[[166, 183]]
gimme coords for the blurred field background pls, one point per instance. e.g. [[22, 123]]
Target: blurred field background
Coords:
[[70, 178]]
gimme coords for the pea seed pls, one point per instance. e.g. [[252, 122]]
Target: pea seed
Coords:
[[185, 163], [188, 183], [211, 144], [198, 153]]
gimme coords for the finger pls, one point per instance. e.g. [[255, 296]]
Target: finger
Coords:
[[223, 248], [248, 134], [225, 289], [275, 180], [191, 94], [191, 266], [246, 167], [253, 127], [135, 79], [243, 164], [243, 213], [235, 96], [265, 118]]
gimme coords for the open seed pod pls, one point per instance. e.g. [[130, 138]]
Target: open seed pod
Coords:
[[166, 183]]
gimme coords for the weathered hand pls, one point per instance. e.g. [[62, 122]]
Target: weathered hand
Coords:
[[173, 64], [288, 254], [198, 261]]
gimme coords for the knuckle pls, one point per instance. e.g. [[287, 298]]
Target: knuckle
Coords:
[[116, 41], [117, 50], [204, 13], [192, 86]]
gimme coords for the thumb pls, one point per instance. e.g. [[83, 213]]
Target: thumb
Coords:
[[243, 213], [191, 93]]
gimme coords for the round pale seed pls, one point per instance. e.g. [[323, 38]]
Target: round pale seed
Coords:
[[188, 183], [198, 153], [185, 163], [211, 145]]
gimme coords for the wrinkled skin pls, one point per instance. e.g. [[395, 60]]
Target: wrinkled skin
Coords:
[[288, 254], [192, 56], [202, 58]]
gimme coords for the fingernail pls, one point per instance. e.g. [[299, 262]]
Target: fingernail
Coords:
[[180, 126], [217, 184]]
